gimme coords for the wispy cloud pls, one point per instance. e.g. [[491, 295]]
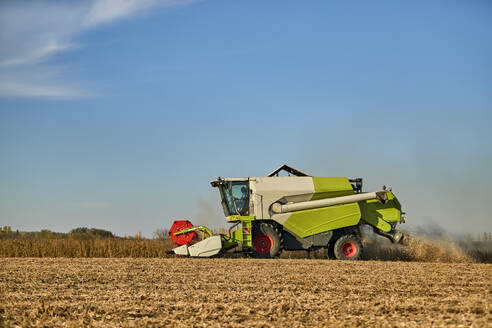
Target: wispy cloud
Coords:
[[39, 81], [41, 53], [105, 11], [25, 89], [32, 33]]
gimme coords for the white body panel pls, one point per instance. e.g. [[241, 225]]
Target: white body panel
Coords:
[[181, 250], [207, 247], [268, 190]]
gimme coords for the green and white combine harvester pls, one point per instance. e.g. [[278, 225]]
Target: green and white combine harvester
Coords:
[[295, 212]]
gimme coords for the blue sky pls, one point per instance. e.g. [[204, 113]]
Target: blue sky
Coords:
[[116, 114]]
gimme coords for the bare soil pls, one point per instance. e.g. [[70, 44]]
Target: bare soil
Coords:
[[108, 292]]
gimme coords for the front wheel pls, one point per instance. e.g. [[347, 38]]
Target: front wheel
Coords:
[[348, 247], [267, 241]]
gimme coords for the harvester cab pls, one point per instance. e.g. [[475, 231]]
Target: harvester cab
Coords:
[[294, 212], [234, 194]]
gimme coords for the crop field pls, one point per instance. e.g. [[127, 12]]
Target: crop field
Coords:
[[136, 292]]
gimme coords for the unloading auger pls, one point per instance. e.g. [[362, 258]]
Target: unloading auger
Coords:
[[295, 212]]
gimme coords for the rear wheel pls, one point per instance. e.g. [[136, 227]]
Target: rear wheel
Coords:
[[267, 241], [348, 247]]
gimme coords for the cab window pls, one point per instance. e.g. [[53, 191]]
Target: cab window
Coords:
[[237, 197]]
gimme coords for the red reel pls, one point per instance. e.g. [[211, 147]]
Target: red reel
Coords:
[[183, 239]]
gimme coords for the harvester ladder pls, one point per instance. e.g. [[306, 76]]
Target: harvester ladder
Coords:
[[247, 230]]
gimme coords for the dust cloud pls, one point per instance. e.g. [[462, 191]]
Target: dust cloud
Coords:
[[427, 244], [209, 213]]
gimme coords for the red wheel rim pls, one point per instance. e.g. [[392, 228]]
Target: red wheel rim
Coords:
[[349, 249], [263, 243]]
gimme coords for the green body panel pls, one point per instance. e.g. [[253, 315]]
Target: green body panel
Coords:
[[310, 222], [331, 187], [203, 230], [377, 222], [243, 235], [235, 218], [378, 215], [247, 232], [228, 241]]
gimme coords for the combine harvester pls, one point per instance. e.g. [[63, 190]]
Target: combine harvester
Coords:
[[296, 212]]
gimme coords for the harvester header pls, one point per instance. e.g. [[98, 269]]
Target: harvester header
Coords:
[[294, 212]]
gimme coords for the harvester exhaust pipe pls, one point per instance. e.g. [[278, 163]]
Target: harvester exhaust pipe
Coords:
[[381, 196]]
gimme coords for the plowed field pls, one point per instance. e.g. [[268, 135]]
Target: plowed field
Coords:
[[242, 292]]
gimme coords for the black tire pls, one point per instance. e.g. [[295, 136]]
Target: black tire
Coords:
[[348, 247], [268, 241], [331, 251]]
